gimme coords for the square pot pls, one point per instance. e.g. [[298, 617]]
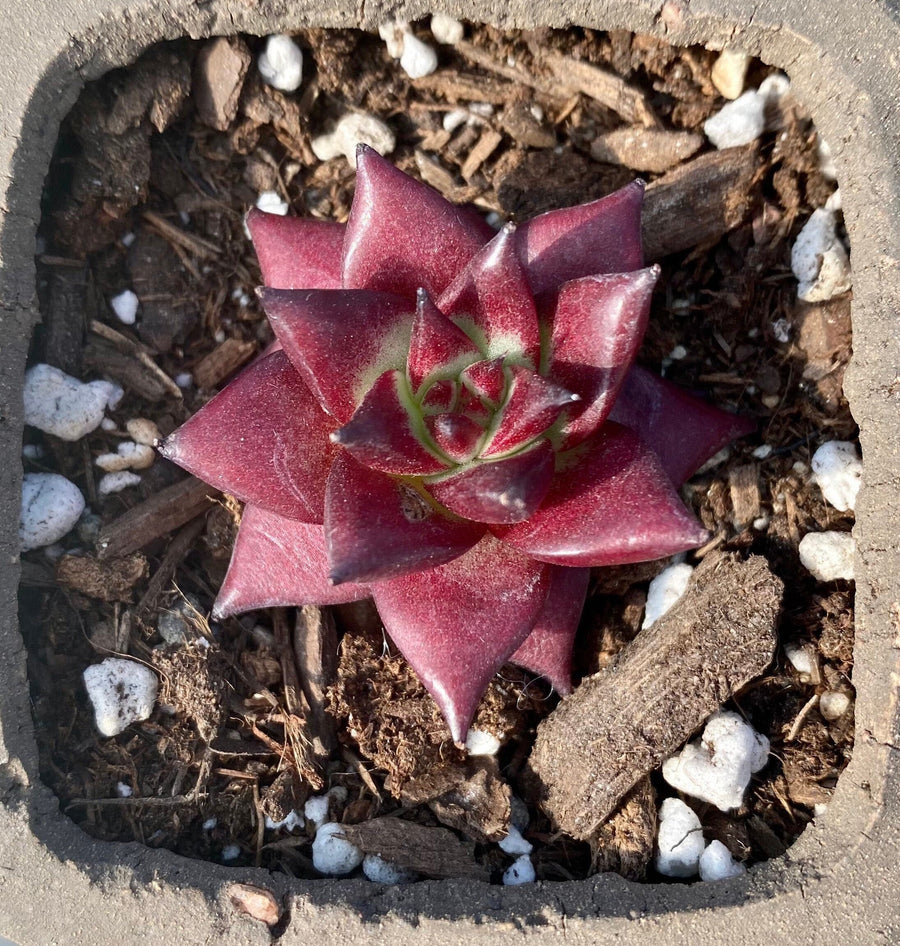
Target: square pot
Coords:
[[59, 885]]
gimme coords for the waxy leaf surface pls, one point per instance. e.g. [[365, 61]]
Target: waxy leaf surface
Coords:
[[297, 252]]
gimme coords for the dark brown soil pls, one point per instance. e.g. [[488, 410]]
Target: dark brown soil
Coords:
[[173, 151]]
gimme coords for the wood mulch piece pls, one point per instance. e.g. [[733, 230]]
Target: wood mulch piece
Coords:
[[154, 170]]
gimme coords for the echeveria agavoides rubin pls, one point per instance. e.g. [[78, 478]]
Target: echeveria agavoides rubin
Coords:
[[452, 425]]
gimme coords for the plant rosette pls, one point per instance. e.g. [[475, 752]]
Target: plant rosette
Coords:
[[451, 423]]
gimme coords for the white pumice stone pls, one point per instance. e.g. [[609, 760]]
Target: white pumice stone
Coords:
[[61, 405], [127, 239], [116, 393], [272, 203], [122, 692], [833, 704], [184, 379], [445, 29], [394, 34], [729, 72], [354, 129], [333, 854], [716, 863], [737, 123], [837, 469], [521, 871], [51, 506], [800, 658], [33, 451], [210, 823], [454, 119], [316, 809], [281, 63], [827, 167], [480, 742], [418, 58], [115, 482], [514, 843], [125, 306], [717, 767], [112, 462], [293, 819], [108, 424], [668, 586], [774, 87], [819, 260], [138, 455], [123, 790], [828, 556], [763, 451], [380, 871], [679, 841], [231, 852]]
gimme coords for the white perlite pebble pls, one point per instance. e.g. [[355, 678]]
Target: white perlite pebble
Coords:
[[122, 692], [680, 840], [828, 556], [394, 34], [833, 704], [716, 863], [418, 58], [521, 871], [744, 120], [316, 807], [729, 71], [125, 306], [514, 843], [380, 871], [51, 506], [479, 742], [129, 456], [142, 430], [33, 451], [819, 260], [668, 586], [231, 852], [115, 482], [272, 203], [61, 405], [281, 63], [332, 853], [800, 658], [837, 469], [827, 166], [717, 767], [445, 29], [352, 130], [293, 819], [123, 790]]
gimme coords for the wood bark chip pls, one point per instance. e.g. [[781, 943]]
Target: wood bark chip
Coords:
[[315, 650], [646, 149], [699, 202], [163, 512], [222, 362], [621, 724], [434, 852]]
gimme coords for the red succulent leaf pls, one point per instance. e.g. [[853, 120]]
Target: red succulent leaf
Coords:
[[296, 252], [499, 491], [547, 651], [683, 431], [603, 236], [340, 340], [486, 379], [457, 435], [533, 404], [441, 396], [402, 235], [382, 433], [279, 562], [263, 438], [613, 507], [436, 343], [381, 527], [598, 324], [493, 295], [458, 623]]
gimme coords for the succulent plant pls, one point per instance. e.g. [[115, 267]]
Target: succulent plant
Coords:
[[451, 422]]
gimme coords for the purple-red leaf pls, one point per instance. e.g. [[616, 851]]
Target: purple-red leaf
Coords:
[[492, 294], [598, 324], [457, 624], [457, 435], [534, 403], [402, 235], [279, 562], [263, 438], [340, 341], [603, 236], [296, 252], [380, 527], [486, 379], [436, 343], [683, 431], [613, 507], [499, 491], [381, 434], [547, 651]]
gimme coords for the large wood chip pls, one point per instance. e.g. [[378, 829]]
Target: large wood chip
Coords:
[[625, 842], [222, 362], [111, 580], [699, 202], [621, 724], [433, 852], [315, 651], [484, 148], [607, 88], [465, 87], [646, 149]]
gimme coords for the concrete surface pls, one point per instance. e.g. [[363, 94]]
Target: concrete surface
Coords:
[[839, 882]]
